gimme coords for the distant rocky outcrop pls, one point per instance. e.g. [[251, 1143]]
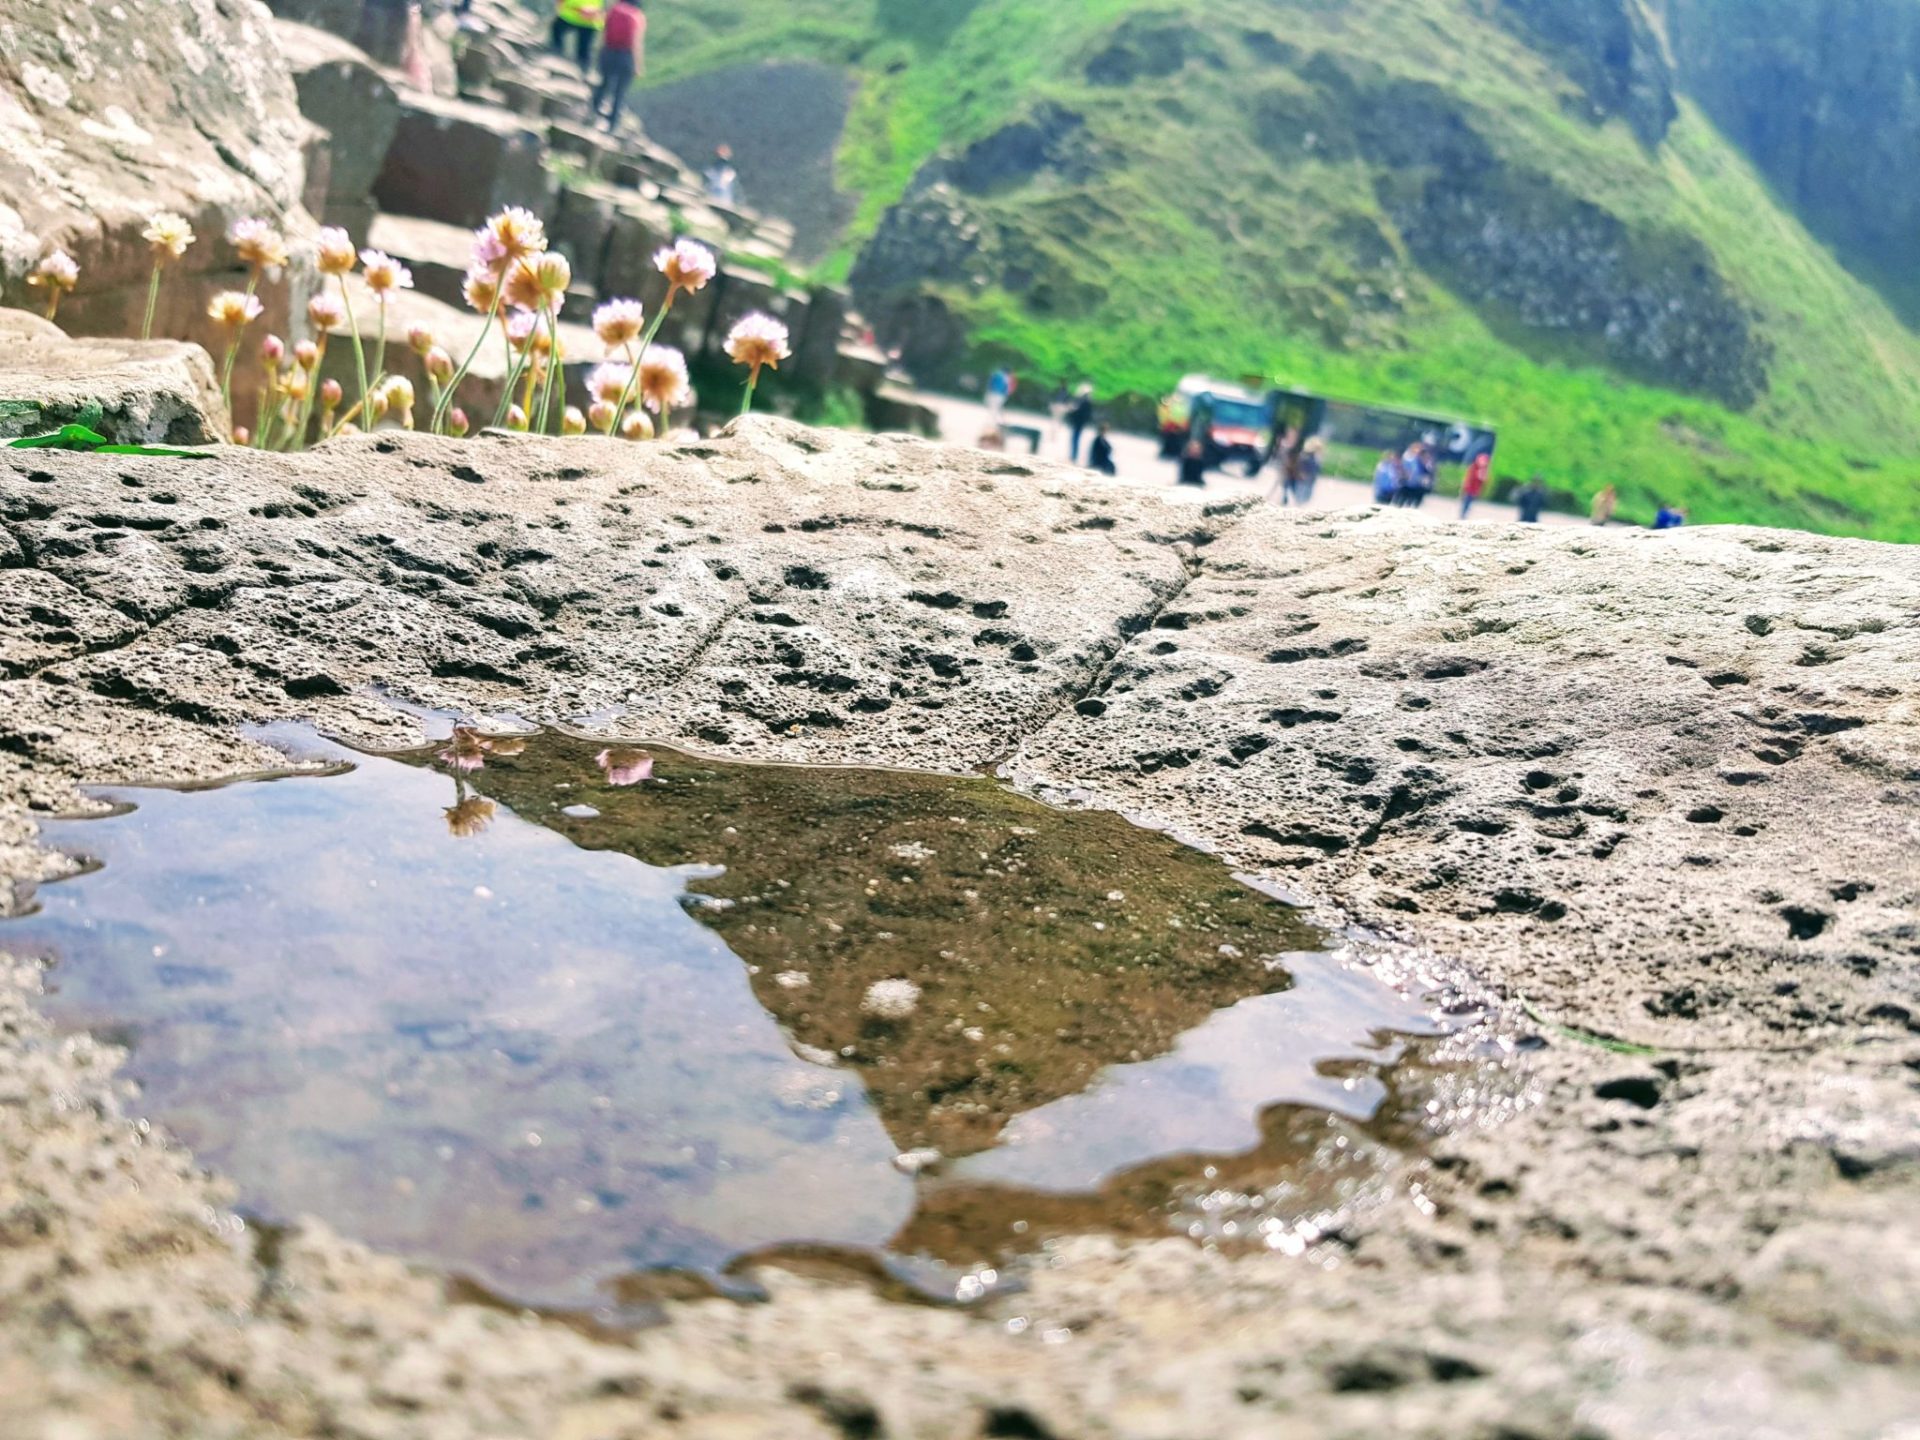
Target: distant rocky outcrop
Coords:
[[1610, 50], [1562, 269], [1824, 95], [946, 232]]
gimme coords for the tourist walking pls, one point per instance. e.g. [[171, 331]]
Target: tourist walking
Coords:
[[1058, 404], [1193, 463], [1100, 454], [1475, 483], [1000, 388], [622, 53], [1313, 461], [1532, 501], [1079, 417], [1604, 504], [1417, 474], [581, 20], [1300, 467], [1387, 479], [723, 181]]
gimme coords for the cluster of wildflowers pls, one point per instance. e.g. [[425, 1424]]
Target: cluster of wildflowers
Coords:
[[514, 281]]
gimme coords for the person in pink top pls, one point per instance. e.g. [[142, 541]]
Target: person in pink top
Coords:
[[622, 50]]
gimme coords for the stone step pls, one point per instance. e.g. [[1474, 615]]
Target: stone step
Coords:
[[458, 162], [437, 253]]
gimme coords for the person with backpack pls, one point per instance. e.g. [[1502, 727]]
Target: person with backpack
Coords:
[[1000, 388], [623, 42], [1417, 471]]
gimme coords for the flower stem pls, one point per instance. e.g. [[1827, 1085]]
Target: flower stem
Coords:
[[553, 365], [298, 440], [263, 417], [359, 350], [626, 396], [515, 364], [533, 374], [380, 354], [153, 303], [753, 379], [53, 301], [226, 373], [446, 398]]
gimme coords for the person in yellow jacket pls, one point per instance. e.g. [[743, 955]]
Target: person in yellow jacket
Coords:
[[584, 19]]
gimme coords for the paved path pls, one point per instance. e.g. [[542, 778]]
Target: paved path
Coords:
[[1138, 458]]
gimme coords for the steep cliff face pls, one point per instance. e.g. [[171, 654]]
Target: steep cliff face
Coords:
[[1825, 96], [1610, 50]]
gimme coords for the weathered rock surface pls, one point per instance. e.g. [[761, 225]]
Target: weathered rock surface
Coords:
[[133, 392], [1666, 788], [180, 105]]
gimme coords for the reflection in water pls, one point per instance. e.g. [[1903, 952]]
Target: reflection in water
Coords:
[[657, 1011]]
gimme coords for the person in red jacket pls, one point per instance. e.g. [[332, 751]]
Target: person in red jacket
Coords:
[[1475, 485], [622, 56]]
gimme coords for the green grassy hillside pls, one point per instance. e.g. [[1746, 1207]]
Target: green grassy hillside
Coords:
[[1410, 200]]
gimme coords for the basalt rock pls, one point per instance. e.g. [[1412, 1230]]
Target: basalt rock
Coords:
[[457, 162], [343, 93], [1656, 792], [117, 112], [131, 391]]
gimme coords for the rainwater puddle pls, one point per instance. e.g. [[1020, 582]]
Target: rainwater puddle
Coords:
[[566, 1028]]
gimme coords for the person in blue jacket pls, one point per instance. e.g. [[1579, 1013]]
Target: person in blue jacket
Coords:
[[1388, 478]]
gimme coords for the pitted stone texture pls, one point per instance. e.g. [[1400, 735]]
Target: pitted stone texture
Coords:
[[133, 392], [1589, 744], [1710, 1238]]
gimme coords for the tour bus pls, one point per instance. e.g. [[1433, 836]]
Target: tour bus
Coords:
[[1245, 421], [1233, 421]]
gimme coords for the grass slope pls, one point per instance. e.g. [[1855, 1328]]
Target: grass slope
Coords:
[[1207, 242]]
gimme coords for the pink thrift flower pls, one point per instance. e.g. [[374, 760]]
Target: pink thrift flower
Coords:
[[625, 767], [686, 265], [619, 322], [663, 378], [758, 340]]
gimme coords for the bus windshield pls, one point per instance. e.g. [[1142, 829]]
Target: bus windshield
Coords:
[[1239, 414]]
